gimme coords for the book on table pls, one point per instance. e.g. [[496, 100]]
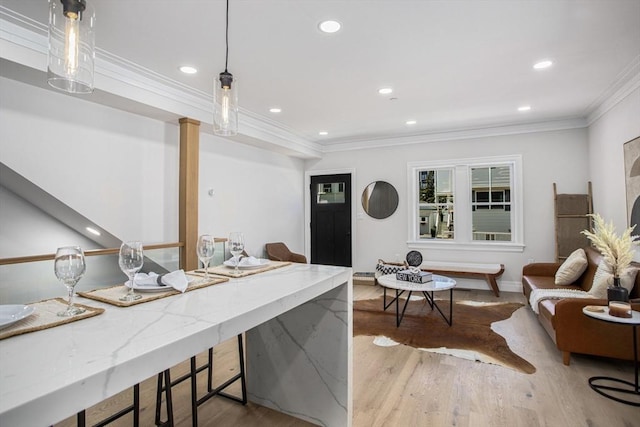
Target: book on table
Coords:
[[414, 277]]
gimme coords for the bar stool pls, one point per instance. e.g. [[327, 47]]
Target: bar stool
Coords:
[[165, 384]]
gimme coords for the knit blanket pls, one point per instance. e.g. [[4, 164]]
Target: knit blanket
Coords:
[[538, 295]]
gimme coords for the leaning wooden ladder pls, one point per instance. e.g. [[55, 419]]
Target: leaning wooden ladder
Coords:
[[571, 217]]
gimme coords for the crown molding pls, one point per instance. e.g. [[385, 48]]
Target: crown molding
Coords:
[[458, 134], [123, 84], [627, 81]]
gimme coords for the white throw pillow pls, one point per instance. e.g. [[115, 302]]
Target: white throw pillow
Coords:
[[628, 278], [604, 278], [572, 268]]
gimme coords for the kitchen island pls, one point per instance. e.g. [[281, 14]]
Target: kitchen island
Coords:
[[298, 324]]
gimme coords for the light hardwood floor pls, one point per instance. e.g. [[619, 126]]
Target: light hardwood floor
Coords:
[[402, 386]]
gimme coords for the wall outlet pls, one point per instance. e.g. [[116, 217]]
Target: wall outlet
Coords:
[[531, 261]]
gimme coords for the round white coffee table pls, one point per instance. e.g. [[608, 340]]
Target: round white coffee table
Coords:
[[633, 321], [439, 283]]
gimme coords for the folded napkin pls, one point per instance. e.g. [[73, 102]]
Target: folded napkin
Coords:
[[176, 280], [246, 261]]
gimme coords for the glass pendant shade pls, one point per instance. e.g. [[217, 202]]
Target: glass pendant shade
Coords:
[[71, 46], [225, 105]]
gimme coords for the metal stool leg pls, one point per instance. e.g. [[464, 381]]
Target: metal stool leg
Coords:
[[164, 385], [134, 407], [194, 392], [195, 402]]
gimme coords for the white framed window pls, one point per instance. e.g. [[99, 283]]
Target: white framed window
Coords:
[[472, 204]]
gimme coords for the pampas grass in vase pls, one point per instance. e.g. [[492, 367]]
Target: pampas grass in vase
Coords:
[[617, 251]]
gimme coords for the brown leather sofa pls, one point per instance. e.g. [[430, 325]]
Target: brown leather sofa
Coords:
[[569, 328]]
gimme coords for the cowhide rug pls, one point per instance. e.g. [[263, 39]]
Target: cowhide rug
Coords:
[[470, 336]]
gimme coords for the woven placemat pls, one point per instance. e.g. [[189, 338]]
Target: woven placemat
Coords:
[[112, 295], [222, 270], [46, 316]]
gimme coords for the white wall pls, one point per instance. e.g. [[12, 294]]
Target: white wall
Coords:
[[255, 191], [607, 136], [548, 157], [121, 170]]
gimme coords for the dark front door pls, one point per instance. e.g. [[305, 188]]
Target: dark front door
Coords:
[[331, 220]]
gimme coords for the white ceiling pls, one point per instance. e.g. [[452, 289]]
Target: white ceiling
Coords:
[[457, 64]]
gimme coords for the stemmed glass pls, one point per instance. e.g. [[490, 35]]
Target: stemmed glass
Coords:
[[236, 246], [130, 261], [69, 267], [206, 247]]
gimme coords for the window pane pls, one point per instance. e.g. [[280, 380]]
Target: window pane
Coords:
[[497, 196], [444, 181], [427, 186], [436, 222], [490, 206], [330, 193], [482, 196], [435, 210], [500, 177], [479, 178]]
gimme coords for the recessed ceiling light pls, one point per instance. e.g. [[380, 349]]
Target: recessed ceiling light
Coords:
[[542, 64], [93, 231], [411, 122], [524, 108], [385, 91], [275, 110], [323, 133], [329, 26], [188, 70]]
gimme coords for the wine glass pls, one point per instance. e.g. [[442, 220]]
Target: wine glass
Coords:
[[236, 246], [130, 261], [206, 248], [69, 267]]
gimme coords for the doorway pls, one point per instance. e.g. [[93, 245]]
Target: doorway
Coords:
[[331, 219]]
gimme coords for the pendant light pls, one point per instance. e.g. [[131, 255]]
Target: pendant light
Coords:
[[225, 96], [71, 46]]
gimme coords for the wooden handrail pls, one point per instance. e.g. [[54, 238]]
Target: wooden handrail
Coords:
[[91, 252]]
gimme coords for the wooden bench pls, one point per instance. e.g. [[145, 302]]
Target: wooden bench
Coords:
[[488, 272]]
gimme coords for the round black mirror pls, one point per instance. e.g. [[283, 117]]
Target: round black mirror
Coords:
[[380, 199]]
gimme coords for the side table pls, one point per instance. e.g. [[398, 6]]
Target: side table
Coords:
[[629, 387]]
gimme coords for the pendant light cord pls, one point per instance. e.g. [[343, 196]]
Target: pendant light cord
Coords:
[[226, 59]]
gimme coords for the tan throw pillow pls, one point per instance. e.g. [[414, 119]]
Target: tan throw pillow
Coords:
[[572, 268], [604, 278]]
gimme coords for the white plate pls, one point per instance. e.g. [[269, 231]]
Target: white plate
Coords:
[[231, 264], [11, 313], [154, 288]]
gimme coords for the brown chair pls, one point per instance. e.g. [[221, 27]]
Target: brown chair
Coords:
[[280, 252]]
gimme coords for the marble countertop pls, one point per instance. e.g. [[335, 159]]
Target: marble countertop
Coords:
[[48, 375]]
